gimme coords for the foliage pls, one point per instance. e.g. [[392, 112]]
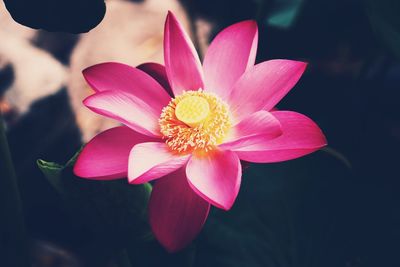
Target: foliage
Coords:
[[112, 213], [282, 214], [283, 13]]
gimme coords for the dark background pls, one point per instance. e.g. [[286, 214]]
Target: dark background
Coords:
[[338, 207]]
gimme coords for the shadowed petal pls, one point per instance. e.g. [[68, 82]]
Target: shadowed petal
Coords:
[[230, 54], [149, 161], [118, 76], [300, 136], [215, 177], [105, 157], [176, 213], [264, 85], [181, 60], [158, 73], [261, 124], [127, 109]]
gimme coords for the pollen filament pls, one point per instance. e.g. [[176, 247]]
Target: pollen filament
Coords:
[[195, 121]]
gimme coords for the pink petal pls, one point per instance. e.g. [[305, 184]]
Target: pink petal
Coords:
[[215, 177], [118, 76], [230, 54], [181, 60], [300, 137], [176, 213], [127, 109], [158, 73], [261, 124], [105, 157], [149, 161], [263, 86]]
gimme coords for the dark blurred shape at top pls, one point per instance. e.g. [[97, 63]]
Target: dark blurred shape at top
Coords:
[[73, 16], [223, 12]]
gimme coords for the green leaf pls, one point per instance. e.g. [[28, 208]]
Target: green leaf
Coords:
[[385, 21], [112, 213], [284, 13], [52, 171]]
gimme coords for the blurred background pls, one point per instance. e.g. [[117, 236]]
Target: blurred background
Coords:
[[338, 207]]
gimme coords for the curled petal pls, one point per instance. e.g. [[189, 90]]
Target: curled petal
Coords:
[[215, 177], [229, 55], [181, 60], [264, 85], [300, 136], [176, 213], [118, 76], [149, 161], [105, 157], [158, 73], [127, 109]]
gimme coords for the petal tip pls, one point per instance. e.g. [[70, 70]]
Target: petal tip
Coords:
[[132, 178], [170, 15], [224, 205], [134, 181], [252, 24], [87, 101], [91, 69], [76, 170], [300, 65], [85, 71], [136, 178], [304, 65], [227, 206]]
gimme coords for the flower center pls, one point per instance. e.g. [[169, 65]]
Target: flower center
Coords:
[[194, 121], [192, 110]]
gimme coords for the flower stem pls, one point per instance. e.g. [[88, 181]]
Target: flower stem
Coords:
[[13, 242]]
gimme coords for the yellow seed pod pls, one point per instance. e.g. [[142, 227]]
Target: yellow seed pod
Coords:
[[192, 110]]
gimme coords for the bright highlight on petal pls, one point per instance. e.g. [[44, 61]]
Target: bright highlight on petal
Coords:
[[152, 160], [195, 121]]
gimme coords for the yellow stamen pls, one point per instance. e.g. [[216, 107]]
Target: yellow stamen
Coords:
[[194, 121]]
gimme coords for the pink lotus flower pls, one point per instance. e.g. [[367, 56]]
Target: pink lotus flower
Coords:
[[221, 112]]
